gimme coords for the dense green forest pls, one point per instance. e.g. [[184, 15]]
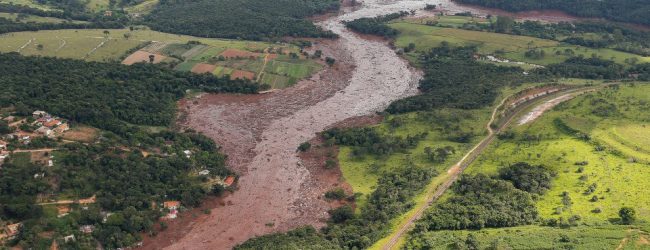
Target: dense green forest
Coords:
[[633, 11], [369, 141], [104, 95], [454, 79], [375, 25], [245, 19]]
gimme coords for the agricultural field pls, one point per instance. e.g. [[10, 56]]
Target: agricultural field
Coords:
[[506, 46], [36, 19], [266, 63], [596, 144], [79, 44], [272, 65], [29, 3]]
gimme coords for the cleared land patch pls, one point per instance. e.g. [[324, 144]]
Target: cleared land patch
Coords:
[[141, 56]]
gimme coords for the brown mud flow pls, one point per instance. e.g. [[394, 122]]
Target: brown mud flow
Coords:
[[277, 191]]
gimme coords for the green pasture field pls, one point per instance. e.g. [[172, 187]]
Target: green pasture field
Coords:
[[503, 45], [29, 3], [362, 174], [78, 43], [36, 19], [97, 5], [450, 21], [618, 177], [142, 8], [535, 237]]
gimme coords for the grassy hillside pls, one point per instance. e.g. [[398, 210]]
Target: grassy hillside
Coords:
[[507, 46], [599, 175], [80, 44]]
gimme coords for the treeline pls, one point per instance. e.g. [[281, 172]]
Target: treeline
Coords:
[[94, 21], [376, 25], [454, 79], [245, 19], [589, 33], [481, 201], [369, 141], [7, 25], [588, 68], [392, 197], [104, 95], [126, 184], [632, 11]]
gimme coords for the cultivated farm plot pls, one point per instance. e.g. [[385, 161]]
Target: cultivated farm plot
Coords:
[[36, 19], [141, 56], [78, 44], [29, 3]]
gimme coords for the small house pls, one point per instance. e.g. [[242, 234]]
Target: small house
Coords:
[[12, 230], [87, 229], [38, 114], [44, 131], [3, 144], [51, 123], [172, 204], [187, 153], [69, 238], [108, 13], [204, 172], [61, 128], [229, 181]]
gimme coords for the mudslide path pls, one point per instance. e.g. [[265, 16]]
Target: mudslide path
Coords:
[[260, 134]]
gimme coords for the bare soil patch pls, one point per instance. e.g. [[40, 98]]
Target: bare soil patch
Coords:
[[142, 56], [240, 74], [81, 134], [201, 68]]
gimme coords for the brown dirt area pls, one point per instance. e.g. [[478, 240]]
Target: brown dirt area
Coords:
[[81, 134], [235, 53], [240, 74], [201, 68], [142, 56]]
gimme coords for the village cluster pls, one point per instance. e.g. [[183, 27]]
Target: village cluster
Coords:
[[25, 129]]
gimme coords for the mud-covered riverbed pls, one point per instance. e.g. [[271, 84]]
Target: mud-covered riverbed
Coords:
[[260, 134]]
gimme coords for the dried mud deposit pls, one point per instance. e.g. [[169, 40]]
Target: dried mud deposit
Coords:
[[260, 134]]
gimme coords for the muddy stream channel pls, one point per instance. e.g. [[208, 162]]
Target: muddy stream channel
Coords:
[[260, 134]]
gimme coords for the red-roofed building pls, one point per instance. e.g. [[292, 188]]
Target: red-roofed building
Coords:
[[172, 204], [52, 123], [229, 181]]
